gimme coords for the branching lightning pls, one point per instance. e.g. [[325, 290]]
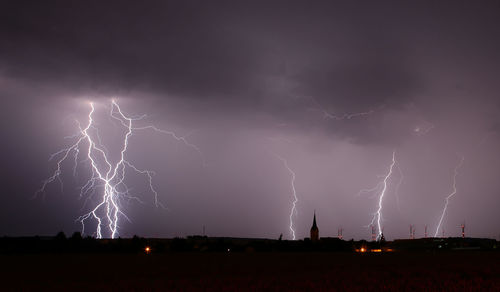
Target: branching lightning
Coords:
[[331, 116], [293, 210], [105, 173], [447, 199], [381, 189], [423, 128]]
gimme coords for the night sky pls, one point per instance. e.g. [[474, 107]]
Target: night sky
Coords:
[[333, 87]]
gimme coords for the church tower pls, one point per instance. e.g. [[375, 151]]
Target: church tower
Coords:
[[314, 230]]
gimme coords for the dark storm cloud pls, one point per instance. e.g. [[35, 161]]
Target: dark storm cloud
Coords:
[[166, 46], [246, 58], [205, 51], [246, 78]]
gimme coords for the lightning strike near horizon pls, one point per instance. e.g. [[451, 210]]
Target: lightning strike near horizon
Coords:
[[454, 191], [106, 175], [293, 210], [381, 188]]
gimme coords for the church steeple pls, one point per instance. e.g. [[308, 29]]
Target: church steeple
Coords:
[[314, 229]]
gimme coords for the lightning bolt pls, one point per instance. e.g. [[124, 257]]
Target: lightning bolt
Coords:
[[329, 115], [424, 128], [293, 210], [106, 174], [381, 188], [454, 191]]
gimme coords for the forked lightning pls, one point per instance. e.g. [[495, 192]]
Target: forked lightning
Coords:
[[107, 175], [381, 189], [453, 192], [293, 210]]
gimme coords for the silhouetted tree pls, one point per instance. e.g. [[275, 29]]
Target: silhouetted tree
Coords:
[[60, 236], [138, 243], [77, 236]]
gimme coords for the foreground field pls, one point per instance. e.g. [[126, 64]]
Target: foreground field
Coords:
[[470, 271]]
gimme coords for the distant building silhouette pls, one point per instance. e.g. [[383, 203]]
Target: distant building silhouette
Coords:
[[314, 230]]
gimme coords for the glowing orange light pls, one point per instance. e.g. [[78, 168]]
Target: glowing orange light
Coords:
[[147, 249], [363, 249], [376, 250]]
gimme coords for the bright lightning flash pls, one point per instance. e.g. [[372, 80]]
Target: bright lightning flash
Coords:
[[293, 211], [381, 188], [454, 191], [106, 174]]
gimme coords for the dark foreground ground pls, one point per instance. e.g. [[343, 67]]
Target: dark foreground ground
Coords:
[[454, 271]]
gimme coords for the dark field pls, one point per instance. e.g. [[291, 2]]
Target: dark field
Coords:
[[470, 271]]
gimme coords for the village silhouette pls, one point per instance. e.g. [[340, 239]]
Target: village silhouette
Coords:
[[202, 243]]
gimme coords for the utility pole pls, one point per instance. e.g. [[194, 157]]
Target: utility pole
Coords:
[[412, 231]]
